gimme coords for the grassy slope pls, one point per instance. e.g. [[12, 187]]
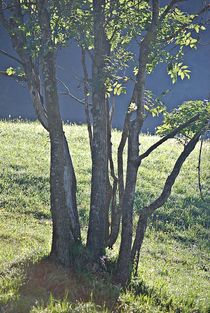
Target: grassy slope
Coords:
[[174, 268]]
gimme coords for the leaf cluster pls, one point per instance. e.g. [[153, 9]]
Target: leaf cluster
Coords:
[[185, 112]]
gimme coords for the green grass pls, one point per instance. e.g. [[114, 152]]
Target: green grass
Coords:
[[174, 268]]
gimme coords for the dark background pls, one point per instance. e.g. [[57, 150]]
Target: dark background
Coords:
[[15, 99]]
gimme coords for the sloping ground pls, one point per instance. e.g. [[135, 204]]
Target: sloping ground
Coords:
[[174, 271]]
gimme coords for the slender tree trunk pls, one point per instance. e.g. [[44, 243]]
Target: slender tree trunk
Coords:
[[148, 211], [66, 230], [98, 213], [140, 233], [124, 260], [69, 179], [69, 174], [86, 101], [117, 210], [62, 179]]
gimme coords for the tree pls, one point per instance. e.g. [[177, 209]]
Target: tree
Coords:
[[104, 30], [99, 209], [164, 27], [28, 23]]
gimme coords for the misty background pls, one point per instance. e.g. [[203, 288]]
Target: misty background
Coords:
[[15, 100]]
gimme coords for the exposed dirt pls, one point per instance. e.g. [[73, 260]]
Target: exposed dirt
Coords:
[[46, 278]]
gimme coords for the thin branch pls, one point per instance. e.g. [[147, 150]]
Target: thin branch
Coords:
[[68, 93], [86, 102], [173, 175], [147, 211], [169, 8], [11, 56], [199, 169], [115, 210], [184, 26], [124, 137], [162, 140]]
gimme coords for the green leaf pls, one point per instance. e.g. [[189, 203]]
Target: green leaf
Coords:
[[10, 71]]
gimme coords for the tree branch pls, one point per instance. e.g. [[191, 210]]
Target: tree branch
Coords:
[[148, 210], [86, 102], [120, 151], [162, 140], [199, 169], [11, 56], [168, 9], [184, 26], [68, 93], [173, 175]]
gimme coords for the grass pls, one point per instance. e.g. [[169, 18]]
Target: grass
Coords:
[[174, 268]]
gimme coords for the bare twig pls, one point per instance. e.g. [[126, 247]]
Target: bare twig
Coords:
[[86, 101], [11, 56], [68, 92]]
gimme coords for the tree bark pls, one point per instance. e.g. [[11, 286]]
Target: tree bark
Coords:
[[124, 261], [98, 213], [124, 265], [66, 231], [146, 212], [117, 210], [66, 228], [137, 244]]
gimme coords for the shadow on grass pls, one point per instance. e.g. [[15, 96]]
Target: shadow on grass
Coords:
[[29, 194], [20, 175], [45, 279]]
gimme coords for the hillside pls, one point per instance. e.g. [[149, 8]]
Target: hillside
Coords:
[[174, 271]]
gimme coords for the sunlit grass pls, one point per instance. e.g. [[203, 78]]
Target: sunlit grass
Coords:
[[174, 269]]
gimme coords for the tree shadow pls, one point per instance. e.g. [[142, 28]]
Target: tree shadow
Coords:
[[31, 187], [46, 279]]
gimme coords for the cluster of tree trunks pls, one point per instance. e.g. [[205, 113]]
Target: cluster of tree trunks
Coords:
[[108, 210]]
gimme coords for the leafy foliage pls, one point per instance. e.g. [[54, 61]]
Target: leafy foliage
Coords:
[[186, 111], [178, 69]]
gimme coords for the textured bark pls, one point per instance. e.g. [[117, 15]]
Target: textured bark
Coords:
[[66, 229], [115, 217], [137, 244], [98, 214], [86, 102], [69, 174], [146, 212], [117, 209], [111, 200], [124, 260]]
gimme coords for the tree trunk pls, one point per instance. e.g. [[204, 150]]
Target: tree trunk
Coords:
[[140, 232], [66, 228], [124, 261], [117, 210], [148, 211], [69, 174], [62, 179], [98, 213]]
